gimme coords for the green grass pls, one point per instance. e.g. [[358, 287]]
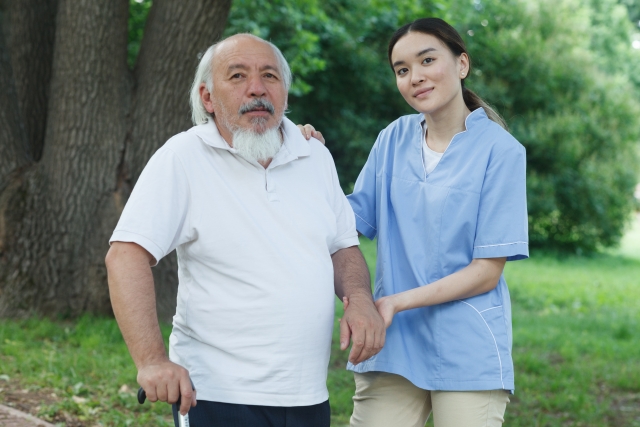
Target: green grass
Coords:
[[87, 360], [576, 324]]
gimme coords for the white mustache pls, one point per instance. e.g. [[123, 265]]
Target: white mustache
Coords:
[[255, 104]]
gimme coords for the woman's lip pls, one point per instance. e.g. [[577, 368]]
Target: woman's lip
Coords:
[[422, 92]]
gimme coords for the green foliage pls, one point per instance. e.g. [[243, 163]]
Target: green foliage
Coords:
[[138, 11], [565, 84], [633, 7], [562, 73]]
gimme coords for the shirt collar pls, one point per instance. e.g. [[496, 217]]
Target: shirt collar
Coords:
[[476, 116], [294, 145]]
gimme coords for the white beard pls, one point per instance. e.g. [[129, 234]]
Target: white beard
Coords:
[[257, 146]]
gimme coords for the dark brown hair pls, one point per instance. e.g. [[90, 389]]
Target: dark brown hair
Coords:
[[444, 32]]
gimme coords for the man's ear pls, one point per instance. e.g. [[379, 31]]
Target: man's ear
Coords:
[[205, 97]]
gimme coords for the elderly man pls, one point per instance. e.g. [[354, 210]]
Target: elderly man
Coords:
[[264, 237]]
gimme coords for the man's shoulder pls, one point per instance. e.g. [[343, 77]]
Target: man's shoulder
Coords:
[[184, 141], [187, 145]]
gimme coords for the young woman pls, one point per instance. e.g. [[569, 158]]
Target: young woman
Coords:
[[444, 193]]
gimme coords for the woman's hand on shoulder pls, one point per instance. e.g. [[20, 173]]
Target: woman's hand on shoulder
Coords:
[[309, 132]]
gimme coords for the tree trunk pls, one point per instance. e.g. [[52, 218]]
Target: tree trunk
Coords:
[[62, 196], [31, 35]]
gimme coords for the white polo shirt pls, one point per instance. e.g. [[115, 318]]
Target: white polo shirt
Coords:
[[255, 297]]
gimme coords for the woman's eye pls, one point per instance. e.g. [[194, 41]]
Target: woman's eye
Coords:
[[402, 71], [427, 60]]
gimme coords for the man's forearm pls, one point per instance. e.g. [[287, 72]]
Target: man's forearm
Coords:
[[351, 275], [134, 304]]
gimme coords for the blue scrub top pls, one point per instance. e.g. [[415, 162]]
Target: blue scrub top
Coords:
[[472, 205]]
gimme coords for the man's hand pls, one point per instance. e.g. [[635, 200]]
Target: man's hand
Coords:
[[167, 382], [364, 326], [309, 131]]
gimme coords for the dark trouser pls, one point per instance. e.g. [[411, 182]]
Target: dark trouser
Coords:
[[216, 414]]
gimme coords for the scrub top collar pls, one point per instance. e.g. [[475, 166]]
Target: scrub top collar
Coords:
[[294, 145], [474, 118]]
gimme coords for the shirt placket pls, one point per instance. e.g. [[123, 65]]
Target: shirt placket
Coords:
[[270, 186]]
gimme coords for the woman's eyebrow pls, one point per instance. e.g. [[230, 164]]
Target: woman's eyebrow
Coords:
[[422, 52], [418, 55]]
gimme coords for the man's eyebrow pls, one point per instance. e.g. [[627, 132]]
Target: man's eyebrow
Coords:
[[269, 67], [244, 67], [418, 55]]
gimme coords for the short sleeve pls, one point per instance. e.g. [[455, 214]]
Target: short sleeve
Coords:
[[156, 214], [346, 234], [502, 228], [363, 198]]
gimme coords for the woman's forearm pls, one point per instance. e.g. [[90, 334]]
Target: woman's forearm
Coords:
[[480, 276]]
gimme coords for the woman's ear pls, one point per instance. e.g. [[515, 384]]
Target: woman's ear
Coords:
[[464, 64]]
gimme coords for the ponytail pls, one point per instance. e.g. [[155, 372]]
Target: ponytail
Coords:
[[473, 102]]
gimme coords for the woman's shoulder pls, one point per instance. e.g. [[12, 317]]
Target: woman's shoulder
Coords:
[[496, 136]]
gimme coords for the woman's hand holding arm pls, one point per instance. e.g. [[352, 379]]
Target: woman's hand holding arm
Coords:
[[480, 276]]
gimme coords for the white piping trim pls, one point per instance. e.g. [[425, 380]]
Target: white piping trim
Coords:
[[365, 221], [492, 336], [502, 244], [487, 309]]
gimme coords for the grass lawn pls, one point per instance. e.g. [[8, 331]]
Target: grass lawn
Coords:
[[576, 350]]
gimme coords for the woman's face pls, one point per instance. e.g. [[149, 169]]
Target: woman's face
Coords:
[[427, 73]]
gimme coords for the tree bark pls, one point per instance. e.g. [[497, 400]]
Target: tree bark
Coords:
[[51, 263], [13, 141], [100, 124], [30, 39]]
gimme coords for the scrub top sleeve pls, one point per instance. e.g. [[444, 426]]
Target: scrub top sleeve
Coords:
[[363, 198], [156, 214], [502, 228]]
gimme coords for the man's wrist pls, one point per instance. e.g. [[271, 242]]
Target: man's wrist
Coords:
[[359, 296], [151, 359]]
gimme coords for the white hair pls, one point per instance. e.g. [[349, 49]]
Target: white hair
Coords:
[[204, 74]]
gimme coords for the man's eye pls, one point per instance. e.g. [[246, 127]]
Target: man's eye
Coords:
[[236, 76], [270, 76]]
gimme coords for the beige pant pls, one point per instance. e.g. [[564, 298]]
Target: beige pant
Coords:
[[389, 400]]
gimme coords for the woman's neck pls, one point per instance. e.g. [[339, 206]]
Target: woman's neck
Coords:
[[444, 124]]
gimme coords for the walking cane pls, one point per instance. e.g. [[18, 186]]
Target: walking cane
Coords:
[[183, 420]]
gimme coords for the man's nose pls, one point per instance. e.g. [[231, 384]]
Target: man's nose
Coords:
[[256, 87]]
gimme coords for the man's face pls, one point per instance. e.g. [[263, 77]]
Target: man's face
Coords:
[[248, 88]]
